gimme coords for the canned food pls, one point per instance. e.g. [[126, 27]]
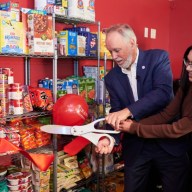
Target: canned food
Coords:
[[40, 83], [9, 73], [16, 107], [3, 107], [3, 79], [3, 90], [46, 82], [15, 91]]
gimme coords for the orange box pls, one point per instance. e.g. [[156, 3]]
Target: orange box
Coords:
[[24, 16], [40, 34]]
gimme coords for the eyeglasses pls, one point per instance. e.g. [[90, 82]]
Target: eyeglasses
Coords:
[[187, 63]]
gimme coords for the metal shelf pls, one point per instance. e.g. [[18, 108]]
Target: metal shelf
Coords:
[[72, 21], [27, 115], [25, 55], [76, 57], [45, 56], [80, 183]]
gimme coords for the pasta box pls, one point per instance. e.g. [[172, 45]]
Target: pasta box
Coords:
[[68, 42]]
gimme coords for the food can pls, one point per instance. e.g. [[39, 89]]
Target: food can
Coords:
[[3, 90], [3, 79], [9, 73], [16, 107], [46, 82], [40, 83], [3, 107], [15, 91]]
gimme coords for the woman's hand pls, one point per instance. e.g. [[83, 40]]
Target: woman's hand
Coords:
[[124, 126]]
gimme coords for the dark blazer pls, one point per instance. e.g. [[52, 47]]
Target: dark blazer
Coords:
[[154, 86]]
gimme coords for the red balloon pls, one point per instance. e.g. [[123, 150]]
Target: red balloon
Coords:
[[70, 110]]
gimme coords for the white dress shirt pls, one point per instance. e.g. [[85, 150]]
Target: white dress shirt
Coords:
[[131, 74]]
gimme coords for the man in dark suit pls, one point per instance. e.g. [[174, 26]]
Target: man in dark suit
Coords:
[[141, 85]]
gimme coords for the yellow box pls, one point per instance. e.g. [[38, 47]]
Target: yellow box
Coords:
[[11, 36], [103, 48], [64, 3]]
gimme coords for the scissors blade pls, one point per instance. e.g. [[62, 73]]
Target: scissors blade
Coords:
[[57, 129]]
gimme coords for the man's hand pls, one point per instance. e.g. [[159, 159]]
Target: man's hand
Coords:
[[115, 118], [104, 146]]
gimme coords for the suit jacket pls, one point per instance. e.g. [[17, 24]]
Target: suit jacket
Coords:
[[154, 87]]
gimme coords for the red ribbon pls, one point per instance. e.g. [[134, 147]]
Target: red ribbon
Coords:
[[76, 145], [42, 161]]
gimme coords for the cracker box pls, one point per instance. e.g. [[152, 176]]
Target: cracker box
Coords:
[[40, 34], [12, 7], [11, 36], [68, 43], [24, 14]]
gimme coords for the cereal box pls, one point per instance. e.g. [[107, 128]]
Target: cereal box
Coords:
[[8, 15], [24, 15], [11, 36], [40, 34], [12, 7]]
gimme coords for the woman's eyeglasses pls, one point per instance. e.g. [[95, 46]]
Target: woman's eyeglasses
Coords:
[[187, 63]]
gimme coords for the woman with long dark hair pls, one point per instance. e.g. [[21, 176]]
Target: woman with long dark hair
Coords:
[[159, 126]]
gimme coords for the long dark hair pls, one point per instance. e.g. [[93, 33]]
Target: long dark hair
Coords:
[[184, 74]]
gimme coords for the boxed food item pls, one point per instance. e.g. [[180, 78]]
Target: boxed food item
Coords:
[[90, 90], [81, 43], [11, 36], [58, 10], [68, 43], [43, 4], [103, 50], [76, 9], [62, 3], [12, 7], [8, 15], [89, 10], [24, 18], [91, 43], [40, 29], [41, 178]]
